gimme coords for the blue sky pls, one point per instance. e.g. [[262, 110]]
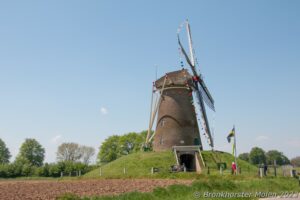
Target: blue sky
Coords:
[[79, 71]]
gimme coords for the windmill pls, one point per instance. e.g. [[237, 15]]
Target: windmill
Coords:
[[175, 113]]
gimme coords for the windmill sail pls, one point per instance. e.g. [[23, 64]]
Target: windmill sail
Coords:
[[202, 93], [204, 116], [204, 90], [206, 95]]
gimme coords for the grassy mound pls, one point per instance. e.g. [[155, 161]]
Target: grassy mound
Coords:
[[140, 164], [136, 165]]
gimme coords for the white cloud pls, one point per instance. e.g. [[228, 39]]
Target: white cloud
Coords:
[[104, 110], [56, 139], [262, 138]]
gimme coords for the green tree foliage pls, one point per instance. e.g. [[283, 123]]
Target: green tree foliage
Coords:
[[296, 161], [244, 156], [116, 146], [131, 142], [32, 151], [278, 156], [4, 153], [109, 150], [257, 156]]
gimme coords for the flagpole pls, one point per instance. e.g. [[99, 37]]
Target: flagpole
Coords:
[[235, 155]]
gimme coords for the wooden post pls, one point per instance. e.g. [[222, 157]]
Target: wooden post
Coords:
[[283, 171], [124, 170], [61, 174], [152, 170], [275, 168], [292, 173], [261, 172]]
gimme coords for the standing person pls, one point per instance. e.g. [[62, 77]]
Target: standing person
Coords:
[[265, 169], [233, 168]]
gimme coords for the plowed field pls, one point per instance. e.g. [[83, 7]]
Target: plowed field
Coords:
[[50, 189]]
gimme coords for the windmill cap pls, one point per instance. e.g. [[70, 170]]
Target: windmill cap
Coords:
[[175, 78]]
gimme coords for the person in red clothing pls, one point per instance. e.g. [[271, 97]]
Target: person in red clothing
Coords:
[[233, 168]]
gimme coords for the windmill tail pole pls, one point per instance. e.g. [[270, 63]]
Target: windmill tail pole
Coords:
[[151, 110]]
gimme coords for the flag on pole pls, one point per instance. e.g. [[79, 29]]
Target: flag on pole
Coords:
[[231, 134]]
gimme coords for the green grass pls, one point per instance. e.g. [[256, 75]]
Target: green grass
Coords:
[[211, 158], [233, 184], [138, 165]]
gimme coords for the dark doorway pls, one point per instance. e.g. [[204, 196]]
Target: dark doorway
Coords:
[[189, 161]]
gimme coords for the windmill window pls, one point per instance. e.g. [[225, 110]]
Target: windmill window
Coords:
[[161, 141], [162, 123]]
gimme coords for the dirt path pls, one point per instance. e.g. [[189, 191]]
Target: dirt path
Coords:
[[50, 189]]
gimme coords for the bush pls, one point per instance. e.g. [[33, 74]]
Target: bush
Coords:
[[244, 156], [10, 170], [42, 171], [4, 170], [54, 170], [18, 169]]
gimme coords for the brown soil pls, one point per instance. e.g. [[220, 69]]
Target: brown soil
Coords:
[[50, 189]]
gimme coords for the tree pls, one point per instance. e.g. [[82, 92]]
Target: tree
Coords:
[[109, 150], [244, 156], [87, 153], [32, 151], [296, 161], [257, 156], [131, 142], [278, 156], [4, 153], [69, 152], [116, 146]]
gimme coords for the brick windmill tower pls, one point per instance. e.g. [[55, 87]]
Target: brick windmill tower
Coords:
[[180, 96]]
